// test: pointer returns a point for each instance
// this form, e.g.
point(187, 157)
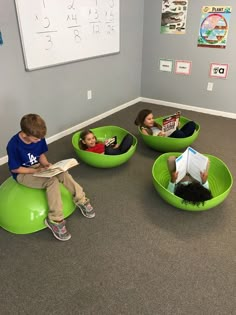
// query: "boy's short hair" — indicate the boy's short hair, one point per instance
point(33, 125)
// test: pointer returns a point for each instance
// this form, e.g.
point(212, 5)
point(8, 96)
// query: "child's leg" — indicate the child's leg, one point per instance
point(52, 190)
point(78, 194)
point(124, 146)
point(186, 131)
point(126, 143)
point(188, 128)
point(74, 188)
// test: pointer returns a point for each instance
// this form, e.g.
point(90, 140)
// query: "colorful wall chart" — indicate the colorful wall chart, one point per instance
point(214, 26)
point(174, 16)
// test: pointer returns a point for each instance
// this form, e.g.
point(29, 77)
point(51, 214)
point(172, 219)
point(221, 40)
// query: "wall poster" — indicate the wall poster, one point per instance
point(214, 26)
point(174, 16)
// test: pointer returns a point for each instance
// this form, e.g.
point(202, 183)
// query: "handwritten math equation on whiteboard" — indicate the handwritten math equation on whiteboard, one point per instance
point(54, 32)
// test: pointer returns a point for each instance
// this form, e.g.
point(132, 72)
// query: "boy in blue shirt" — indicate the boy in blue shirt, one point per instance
point(26, 156)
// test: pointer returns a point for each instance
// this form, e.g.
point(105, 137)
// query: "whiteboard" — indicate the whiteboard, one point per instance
point(60, 31)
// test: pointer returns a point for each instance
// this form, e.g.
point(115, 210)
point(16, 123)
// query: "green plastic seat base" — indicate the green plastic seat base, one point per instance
point(23, 209)
point(167, 144)
point(219, 177)
point(103, 160)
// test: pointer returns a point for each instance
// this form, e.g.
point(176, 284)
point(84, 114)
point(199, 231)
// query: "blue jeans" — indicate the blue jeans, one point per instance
point(186, 131)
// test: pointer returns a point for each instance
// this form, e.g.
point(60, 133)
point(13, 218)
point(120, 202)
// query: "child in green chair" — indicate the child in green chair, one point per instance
point(189, 189)
point(89, 142)
point(148, 126)
point(26, 156)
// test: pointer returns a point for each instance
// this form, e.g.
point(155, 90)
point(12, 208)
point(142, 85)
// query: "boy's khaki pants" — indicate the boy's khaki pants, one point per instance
point(53, 191)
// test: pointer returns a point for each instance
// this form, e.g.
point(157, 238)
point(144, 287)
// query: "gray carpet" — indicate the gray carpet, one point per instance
point(139, 255)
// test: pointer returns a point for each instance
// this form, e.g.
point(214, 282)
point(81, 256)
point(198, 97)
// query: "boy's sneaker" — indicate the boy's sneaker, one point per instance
point(86, 209)
point(58, 229)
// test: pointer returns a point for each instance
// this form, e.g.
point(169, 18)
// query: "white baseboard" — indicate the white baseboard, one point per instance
point(71, 130)
point(91, 121)
point(188, 107)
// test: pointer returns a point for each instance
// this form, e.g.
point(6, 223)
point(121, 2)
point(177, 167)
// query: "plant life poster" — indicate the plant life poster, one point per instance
point(214, 26)
point(174, 16)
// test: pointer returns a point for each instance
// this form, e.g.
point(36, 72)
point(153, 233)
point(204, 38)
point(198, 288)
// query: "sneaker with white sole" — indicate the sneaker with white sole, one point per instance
point(87, 209)
point(58, 229)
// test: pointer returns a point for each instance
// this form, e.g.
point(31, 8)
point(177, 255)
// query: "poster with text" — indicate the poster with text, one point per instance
point(174, 16)
point(214, 26)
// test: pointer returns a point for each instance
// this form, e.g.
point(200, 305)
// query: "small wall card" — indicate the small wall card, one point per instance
point(166, 65)
point(219, 70)
point(183, 67)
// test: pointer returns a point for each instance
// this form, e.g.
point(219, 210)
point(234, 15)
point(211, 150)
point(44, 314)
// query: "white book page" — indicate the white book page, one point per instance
point(181, 163)
point(197, 163)
point(64, 164)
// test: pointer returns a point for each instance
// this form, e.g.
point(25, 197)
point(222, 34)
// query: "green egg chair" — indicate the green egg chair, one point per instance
point(103, 160)
point(23, 209)
point(219, 177)
point(168, 144)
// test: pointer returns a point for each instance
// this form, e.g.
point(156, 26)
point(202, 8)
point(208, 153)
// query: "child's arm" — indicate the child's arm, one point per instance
point(44, 164)
point(171, 186)
point(144, 131)
point(26, 170)
point(204, 178)
point(44, 161)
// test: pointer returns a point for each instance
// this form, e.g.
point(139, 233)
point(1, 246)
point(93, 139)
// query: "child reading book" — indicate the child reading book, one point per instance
point(148, 126)
point(89, 142)
point(26, 158)
point(189, 177)
point(170, 124)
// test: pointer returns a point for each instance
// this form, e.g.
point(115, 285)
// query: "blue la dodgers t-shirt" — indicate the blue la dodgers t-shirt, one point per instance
point(23, 154)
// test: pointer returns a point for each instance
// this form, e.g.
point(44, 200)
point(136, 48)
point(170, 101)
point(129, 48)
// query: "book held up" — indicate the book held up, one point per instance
point(57, 168)
point(170, 123)
point(191, 162)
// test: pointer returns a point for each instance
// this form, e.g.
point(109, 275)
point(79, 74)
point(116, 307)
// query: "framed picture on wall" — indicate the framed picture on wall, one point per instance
point(166, 65)
point(219, 70)
point(183, 67)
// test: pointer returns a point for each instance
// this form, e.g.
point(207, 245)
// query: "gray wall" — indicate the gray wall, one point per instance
point(59, 93)
point(188, 90)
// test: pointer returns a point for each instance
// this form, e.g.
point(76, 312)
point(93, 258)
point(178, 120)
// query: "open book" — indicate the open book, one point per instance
point(170, 123)
point(57, 168)
point(191, 162)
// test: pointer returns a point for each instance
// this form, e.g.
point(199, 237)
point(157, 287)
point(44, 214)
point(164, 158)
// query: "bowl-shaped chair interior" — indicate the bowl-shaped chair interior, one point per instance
point(103, 160)
point(23, 209)
point(219, 177)
point(167, 144)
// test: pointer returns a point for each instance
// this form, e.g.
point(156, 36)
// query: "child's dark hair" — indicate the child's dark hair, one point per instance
point(139, 121)
point(193, 193)
point(33, 125)
point(83, 135)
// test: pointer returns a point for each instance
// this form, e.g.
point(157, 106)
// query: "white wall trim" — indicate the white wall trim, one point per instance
point(188, 107)
point(71, 130)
